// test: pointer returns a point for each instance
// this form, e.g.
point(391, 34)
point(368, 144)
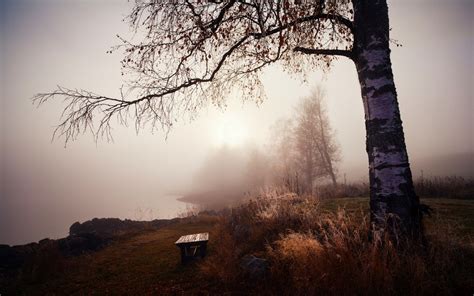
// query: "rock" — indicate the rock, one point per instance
point(75, 245)
point(104, 227)
point(254, 266)
point(10, 257)
point(110, 227)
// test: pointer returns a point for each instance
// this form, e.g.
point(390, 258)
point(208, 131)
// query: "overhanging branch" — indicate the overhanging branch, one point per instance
point(335, 52)
point(190, 44)
point(322, 16)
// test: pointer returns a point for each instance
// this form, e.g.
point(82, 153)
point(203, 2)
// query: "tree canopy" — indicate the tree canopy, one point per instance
point(187, 54)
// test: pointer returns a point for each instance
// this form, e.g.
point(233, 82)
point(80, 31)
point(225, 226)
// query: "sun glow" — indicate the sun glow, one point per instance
point(230, 133)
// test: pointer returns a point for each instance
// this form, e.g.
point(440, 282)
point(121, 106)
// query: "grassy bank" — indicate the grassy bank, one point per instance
point(457, 212)
point(148, 263)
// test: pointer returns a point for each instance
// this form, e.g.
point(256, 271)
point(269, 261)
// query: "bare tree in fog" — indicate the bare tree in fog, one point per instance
point(283, 155)
point(256, 170)
point(194, 52)
point(315, 141)
point(304, 147)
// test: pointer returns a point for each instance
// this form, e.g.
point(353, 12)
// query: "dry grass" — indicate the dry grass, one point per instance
point(353, 189)
point(447, 187)
point(451, 186)
point(311, 247)
point(313, 252)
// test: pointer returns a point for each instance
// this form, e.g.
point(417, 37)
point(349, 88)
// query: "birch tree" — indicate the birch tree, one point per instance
point(192, 52)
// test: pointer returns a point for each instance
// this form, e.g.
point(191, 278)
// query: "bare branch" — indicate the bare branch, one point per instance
point(332, 52)
point(194, 52)
point(305, 19)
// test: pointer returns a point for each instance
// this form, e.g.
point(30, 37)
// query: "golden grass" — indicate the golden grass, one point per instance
point(313, 248)
point(315, 252)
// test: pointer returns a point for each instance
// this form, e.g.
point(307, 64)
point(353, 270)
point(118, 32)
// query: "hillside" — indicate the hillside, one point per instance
point(148, 262)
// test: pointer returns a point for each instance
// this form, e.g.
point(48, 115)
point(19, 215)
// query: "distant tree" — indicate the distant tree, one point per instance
point(315, 142)
point(192, 52)
point(256, 170)
point(303, 148)
point(283, 157)
point(306, 154)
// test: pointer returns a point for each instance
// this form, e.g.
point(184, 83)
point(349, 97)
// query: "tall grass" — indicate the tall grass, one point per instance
point(446, 187)
point(450, 187)
point(311, 252)
point(354, 189)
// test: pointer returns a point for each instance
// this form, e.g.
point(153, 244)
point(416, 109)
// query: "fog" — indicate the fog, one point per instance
point(45, 186)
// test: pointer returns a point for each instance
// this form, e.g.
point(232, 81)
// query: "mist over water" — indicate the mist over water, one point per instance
point(45, 187)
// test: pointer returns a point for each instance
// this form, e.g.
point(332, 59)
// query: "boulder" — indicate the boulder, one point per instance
point(255, 267)
point(74, 245)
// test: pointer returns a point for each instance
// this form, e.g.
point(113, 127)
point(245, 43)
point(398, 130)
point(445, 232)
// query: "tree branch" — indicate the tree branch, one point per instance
point(191, 44)
point(337, 52)
point(193, 81)
point(321, 16)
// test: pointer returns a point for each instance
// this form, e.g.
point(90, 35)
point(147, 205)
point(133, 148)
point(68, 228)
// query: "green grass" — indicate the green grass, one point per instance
point(144, 264)
point(148, 263)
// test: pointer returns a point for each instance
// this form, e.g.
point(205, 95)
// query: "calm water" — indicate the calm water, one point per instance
point(170, 207)
point(57, 226)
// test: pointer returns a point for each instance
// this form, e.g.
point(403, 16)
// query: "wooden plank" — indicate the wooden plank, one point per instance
point(193, 238)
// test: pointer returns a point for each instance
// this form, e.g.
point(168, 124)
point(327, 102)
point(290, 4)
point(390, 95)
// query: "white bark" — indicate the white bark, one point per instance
point(392, 192)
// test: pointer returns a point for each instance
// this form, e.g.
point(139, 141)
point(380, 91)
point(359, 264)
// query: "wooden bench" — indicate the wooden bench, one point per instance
point(192, 245)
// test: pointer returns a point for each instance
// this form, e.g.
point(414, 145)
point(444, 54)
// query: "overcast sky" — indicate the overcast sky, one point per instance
point(45, 187)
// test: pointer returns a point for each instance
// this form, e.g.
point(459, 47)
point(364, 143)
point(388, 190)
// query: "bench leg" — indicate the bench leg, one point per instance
point(189, 252)
point(183, 255)
point(202, 250)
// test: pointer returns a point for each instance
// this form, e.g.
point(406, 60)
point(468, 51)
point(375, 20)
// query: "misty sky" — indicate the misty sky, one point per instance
point(45, 187)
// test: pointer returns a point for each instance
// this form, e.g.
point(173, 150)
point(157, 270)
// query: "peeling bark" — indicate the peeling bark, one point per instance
point(392, 197)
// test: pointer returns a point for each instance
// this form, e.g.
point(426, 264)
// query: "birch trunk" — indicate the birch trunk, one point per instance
point(392, 196)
